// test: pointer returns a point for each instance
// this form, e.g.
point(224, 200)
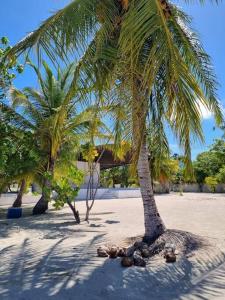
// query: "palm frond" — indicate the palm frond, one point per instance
point(69, 28)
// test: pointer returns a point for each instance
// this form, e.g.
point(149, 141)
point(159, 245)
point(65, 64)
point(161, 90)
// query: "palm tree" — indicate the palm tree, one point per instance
point(57, 126)
point(145, 50)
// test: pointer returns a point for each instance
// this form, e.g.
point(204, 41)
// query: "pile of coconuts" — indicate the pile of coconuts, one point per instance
point(139, 253)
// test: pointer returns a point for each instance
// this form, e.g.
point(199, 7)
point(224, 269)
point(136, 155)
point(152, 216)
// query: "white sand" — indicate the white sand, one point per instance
point(49, 257)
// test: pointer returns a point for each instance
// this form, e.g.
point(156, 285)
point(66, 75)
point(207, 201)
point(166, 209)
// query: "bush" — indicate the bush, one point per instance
point(221, 175)
point(212, 183)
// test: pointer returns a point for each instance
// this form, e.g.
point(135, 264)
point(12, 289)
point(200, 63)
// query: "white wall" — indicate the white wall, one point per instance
point(110, 193)
point(83, 166)
point(195, 188)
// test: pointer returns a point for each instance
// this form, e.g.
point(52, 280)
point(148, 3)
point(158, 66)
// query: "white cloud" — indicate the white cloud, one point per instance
point(205, 113)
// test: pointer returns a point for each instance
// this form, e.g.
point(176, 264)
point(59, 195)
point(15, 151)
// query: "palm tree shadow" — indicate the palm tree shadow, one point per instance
point(66, 269)
point(51, 226)
point(30, 274)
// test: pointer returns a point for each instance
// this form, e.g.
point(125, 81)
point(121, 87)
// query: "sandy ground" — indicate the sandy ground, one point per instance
point(8, 199)
point(49, 257)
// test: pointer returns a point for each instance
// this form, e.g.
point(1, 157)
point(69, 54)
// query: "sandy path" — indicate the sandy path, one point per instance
point(49, 257)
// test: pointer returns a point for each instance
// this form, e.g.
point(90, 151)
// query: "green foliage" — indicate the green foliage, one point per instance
point(209, 163)
point(19, 155)
point(179, 176)
point(212, 183)
point(149, 58)
point(89, 152)
point(117, 175)
point(169, 168)
point(54, 120)
point(44, 127)
point(8, 68)
point(67, 187)
point(57, 125)
point(163, 167)
point(221, 175)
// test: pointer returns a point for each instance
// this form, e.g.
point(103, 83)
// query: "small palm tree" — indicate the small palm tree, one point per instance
point(146, 51)
point(55, 122)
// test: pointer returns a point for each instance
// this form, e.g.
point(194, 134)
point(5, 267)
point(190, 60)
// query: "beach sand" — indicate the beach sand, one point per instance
point(50, 257)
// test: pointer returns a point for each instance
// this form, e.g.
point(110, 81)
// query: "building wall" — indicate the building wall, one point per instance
point(111, 193)
point(83, 166)
point(196, 188)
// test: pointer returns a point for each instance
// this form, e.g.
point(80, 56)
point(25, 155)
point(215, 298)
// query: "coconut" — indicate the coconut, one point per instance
point(127, 261)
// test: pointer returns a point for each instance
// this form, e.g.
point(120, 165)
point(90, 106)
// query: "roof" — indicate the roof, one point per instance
point(107, 160)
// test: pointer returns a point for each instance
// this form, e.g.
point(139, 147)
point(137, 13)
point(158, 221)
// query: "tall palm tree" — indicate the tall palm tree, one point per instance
point(145, 50)
point(57, 125)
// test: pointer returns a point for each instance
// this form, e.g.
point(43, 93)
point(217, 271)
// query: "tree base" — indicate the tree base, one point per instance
point(41, 207)
point(75, 212)
point(171, 245)
point(149, 240)
point(17, 203)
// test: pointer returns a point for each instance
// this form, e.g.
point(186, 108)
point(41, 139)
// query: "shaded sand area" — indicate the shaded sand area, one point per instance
point(49, 257)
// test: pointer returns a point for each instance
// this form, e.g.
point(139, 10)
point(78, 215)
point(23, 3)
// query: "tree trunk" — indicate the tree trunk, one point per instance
point(154, 225)
point(18, 201)
point(87, 214)
point(42, 204)
point(75, 212)
point(90, 191)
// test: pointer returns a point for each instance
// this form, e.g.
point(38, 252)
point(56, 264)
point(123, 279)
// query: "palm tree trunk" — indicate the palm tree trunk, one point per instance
point(154, 225)
point(18, 201)
point(42, 205)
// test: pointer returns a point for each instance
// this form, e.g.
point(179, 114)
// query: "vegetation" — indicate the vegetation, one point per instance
point(19, 156)
point(66, 188)
point(221, 175)
point(8, 69)
point(118, 175)
point(211, 163)
point(163, 167)
point(170, 169)
point(97, 131)
point(212, 183)
point(51, 123)
point(146, 55)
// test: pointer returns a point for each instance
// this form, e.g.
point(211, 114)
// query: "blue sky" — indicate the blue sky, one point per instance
point(19, 17)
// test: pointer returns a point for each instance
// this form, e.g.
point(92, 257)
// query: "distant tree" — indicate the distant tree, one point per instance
point(211, 182)
point(117, 175)
point(210, 162)
point(221, 175)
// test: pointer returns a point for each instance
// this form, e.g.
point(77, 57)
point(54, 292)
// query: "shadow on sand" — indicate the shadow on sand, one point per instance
point(52, 225)
point(65, 268)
